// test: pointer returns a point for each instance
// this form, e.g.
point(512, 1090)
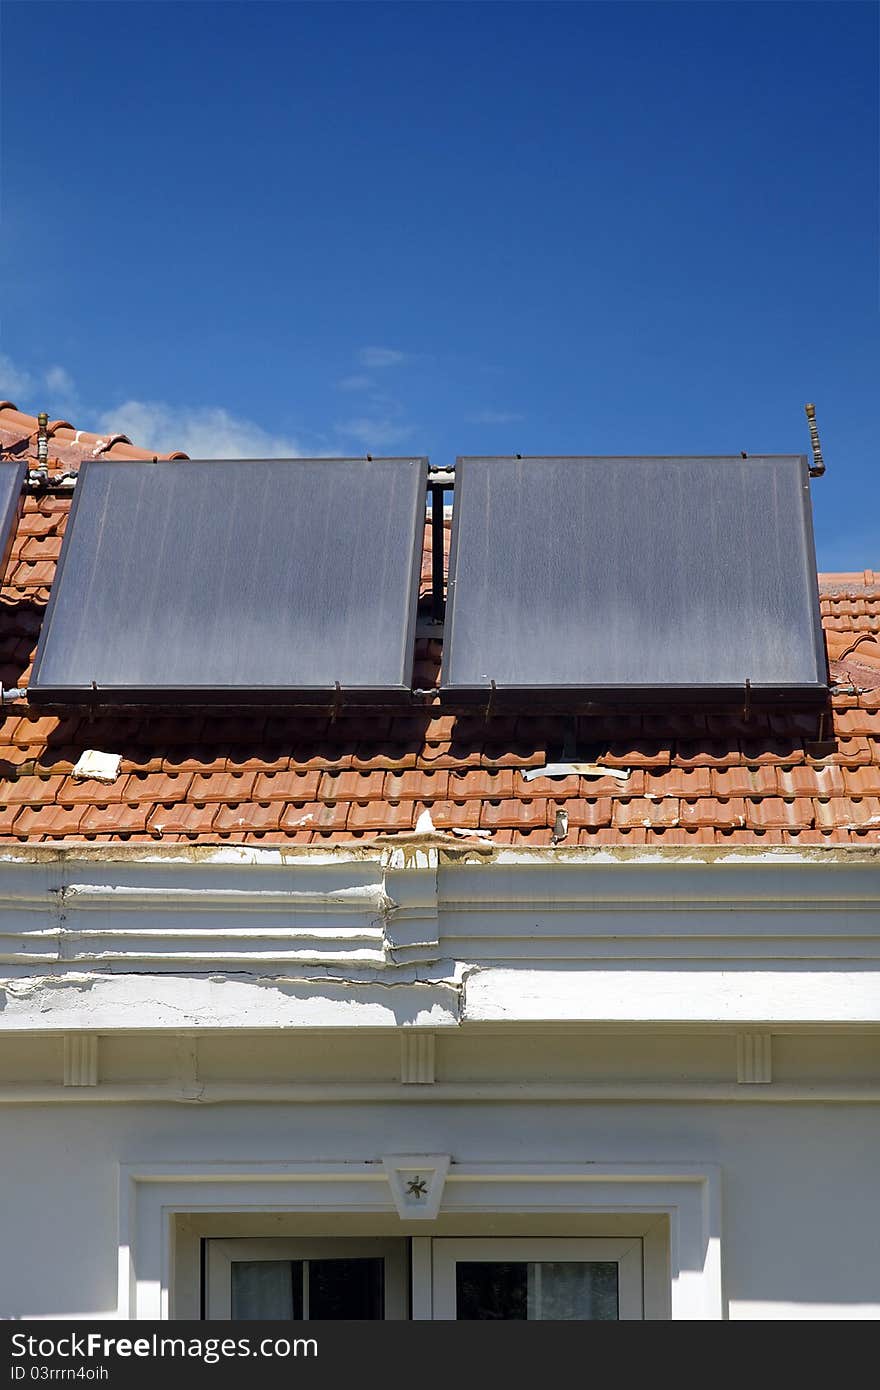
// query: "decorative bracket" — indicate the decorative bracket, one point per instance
point(416, 1058)
point(754, 1058)
point(417, 1182)
point(80, 1059)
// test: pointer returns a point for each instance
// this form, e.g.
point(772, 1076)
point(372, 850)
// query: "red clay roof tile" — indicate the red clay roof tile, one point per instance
point(712, 812)
point(452, 815)
point(381, 815)
point(856, 812)
point(222, 786)
point(586, 812)
point(181, 818)
point(41, 822)
point(315, 815)
point(113, 819)
point(286, 786)
point(248, 815)
point(642, 811)
point(774, 812)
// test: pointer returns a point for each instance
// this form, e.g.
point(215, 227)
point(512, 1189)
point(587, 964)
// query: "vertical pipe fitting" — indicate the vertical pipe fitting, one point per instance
point(437, 600)
point(43, 439)
point(818, 467)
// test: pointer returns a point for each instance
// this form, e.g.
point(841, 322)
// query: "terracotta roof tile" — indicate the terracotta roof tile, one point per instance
point(8, 817)
point(451, 815)
point(369, 757)
point(678, 781)
point(247, 815)
point(613, 835)
point(181, 818)
point(381, 815)
point(113, 819)
point(679, 835)
point(33, 728)
point(157, 786)
point(712, 812)
point(648, 754)
point(774, 812)
point(221, 786)
point(33, 791)
point(286, 786)
point(746, 780)
point(847, 752)
point(858, 722)
point(704, 753)
point(419, 783)
point(315, 815)
point(90, 793)
point(856, 812)
point(586, 813)
point(520, 814)
point(770, 750)
point(645, 811)
point(40, 822)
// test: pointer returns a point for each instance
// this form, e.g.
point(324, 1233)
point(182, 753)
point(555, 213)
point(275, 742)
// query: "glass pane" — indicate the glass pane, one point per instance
point(573, 1291)
point(346, 1289)
point(570, 1290)
point(266, 1289)
point(491, 1289)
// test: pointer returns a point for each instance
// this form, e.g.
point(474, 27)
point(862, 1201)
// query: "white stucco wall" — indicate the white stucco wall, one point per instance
point(678, 1012)
point(800, 1224)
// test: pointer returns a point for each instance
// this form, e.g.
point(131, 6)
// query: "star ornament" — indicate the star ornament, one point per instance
point(417, 1187)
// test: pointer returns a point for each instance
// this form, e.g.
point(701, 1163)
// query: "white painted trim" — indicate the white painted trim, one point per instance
point(373, 851)
point(441, 1093)
point(422, 1279)
point(408, 933)
point(151, 1194)
point(673, 995)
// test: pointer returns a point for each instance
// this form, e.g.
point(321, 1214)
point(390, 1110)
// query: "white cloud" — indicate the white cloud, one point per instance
point(375, 433)
point(206, 431)
point(354, 383)
point(381, 357)
point(494, 417)
point(201, 432)
point(15, 382)
point(51, 390)
point(60, 383)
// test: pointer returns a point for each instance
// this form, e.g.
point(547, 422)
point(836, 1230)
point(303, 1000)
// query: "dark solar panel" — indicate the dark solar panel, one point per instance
point(12, 477)
point(235, 580)
point(628, 576)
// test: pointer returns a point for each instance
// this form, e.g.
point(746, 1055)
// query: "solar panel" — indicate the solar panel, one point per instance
point(12, 476)
point(628, 577)
point(235, 581)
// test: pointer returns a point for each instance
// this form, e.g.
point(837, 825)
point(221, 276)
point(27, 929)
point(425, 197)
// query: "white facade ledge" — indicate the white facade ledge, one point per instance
point(417, 933)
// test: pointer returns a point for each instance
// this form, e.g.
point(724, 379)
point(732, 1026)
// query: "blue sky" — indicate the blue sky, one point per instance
point(451, 228)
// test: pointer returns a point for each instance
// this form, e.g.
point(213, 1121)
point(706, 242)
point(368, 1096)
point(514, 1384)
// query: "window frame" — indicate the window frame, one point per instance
point(627, 1254)
point(165, 1207)
point(221, 1254)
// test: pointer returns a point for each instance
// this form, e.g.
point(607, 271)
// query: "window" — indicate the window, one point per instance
point(538, 1280)
point(312, 1280)
point(473, 1279)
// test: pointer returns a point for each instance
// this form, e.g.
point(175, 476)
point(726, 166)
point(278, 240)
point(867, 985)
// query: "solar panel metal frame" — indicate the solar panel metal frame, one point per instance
point(494, 687)
point(11, 503)
point(56, 692)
